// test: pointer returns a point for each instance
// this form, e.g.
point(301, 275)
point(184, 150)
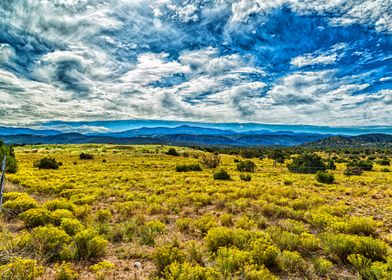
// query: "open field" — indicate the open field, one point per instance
point(128, 204)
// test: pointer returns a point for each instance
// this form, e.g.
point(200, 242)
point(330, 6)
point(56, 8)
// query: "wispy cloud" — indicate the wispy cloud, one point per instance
point(281, 61)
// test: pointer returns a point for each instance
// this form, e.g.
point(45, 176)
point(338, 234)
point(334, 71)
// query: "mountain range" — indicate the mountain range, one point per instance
point(192, 135)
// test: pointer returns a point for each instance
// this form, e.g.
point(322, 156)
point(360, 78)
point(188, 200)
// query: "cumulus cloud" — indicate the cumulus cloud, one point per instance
point(286, 61)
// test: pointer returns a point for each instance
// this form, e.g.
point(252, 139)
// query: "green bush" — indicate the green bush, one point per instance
point(363, 165)
point(307, 163)
point(89, 245)
point(245, 177)
point(384, 162)
point(47, 163)
point(172, 152)
point(350, 171)
point(65, 272)
point(246, 166)
point(385, 170)
point(331, 165)
point(85, 156)
point(323, 177)
point(189, 167)
point(35, 217)
point(210, 160)
point(11, 163)
point(221, 175)
point(48, 242)
point(19, 268)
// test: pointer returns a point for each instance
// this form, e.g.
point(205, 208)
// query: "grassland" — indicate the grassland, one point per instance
point(99, 217)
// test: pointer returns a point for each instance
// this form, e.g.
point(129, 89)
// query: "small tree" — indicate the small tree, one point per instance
point(307, 163)
point(11, 163)
point(246, 166)
point(331, 165)
point(210, 160)
point(47, 163)
point(86, 156)
point(172, 152)
point(277, 156)
point(221, 175)
point(323, 177)
point(363, 165)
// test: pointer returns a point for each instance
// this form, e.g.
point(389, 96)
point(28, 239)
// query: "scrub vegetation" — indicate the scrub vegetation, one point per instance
point(158, 212)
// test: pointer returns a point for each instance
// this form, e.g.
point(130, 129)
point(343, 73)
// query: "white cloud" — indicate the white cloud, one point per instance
point(341, 12)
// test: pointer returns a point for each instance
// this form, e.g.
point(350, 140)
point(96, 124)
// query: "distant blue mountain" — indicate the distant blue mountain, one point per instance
point(18, 130)
point(183, 129)
point(124, 125)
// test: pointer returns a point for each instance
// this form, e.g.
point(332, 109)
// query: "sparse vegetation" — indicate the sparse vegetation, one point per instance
point(147, 215)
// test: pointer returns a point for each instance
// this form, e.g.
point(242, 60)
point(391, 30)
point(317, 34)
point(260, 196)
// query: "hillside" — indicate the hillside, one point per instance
point(181, 136)
point(361, 141)
point(128, 214)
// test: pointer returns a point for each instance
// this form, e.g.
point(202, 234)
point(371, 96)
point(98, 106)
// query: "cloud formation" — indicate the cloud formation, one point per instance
point(281, 61)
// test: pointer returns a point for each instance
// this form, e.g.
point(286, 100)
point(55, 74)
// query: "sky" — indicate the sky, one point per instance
point(325, 63)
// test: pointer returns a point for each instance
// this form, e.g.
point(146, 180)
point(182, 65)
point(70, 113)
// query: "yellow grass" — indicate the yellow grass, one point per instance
point(140, 187)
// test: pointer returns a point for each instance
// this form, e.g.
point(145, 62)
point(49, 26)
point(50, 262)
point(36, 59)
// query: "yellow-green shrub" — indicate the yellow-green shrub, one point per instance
point(226, 237)
point(17, 203)
point(59, 203)
point(183, 224)
point(291, 262)
point(166, 255)
point(283, 239)
point(89, 245)
point(322, 266)
point(59, 214)
point(309, 242)
point(65, 272)
point(48, 242)
point(71, 225)
point(253, 272)
point(205, 223)
point(344, 244)
point(35, 217)
point(103, 216)
point(19, 268)
point(230, 260)
point(102, 270)
point(186, 271)
point(263, 252)
point(150, 230)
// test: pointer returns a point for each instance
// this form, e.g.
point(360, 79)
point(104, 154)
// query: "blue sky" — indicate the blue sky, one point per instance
point(326, 63)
